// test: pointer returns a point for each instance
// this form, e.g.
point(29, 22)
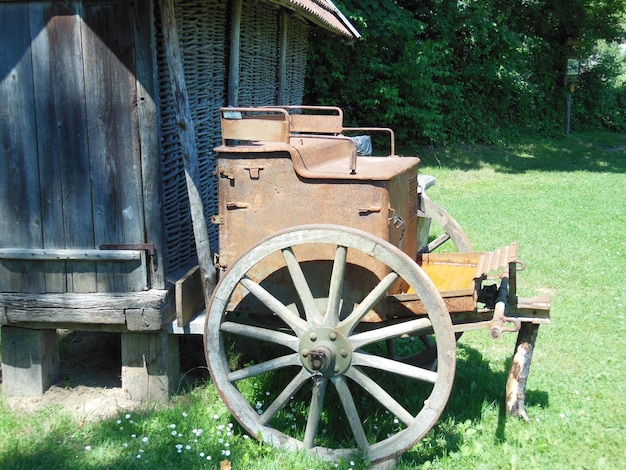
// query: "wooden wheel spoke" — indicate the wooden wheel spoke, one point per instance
point(380, 395)
point(438, 242)
point(315, 411)
point(336, 287)
point(347, 326)
point(264, 367)
point(297, 324)
point(284, 397)
point(263, 334)
point(352, 413)
point(313, 315)
point(388, 332)
point(395, 367)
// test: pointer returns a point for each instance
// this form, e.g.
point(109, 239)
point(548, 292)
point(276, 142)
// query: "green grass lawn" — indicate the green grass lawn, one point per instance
point(565, 202)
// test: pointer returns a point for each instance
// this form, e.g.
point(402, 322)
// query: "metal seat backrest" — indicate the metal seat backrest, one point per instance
point(323, 120)
point(255, 124)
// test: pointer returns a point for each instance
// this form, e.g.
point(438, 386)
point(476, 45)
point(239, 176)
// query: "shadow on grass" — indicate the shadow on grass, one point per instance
point(476, 386)
point(604, 153)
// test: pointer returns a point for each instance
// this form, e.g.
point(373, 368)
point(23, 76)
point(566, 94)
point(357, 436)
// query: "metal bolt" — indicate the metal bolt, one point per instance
point(305, 352)
point(344, 353)
point(313, 337)
point(333, 336)
point(336, 369)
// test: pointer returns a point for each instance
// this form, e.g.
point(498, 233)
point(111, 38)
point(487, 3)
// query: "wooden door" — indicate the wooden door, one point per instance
point(70, 153)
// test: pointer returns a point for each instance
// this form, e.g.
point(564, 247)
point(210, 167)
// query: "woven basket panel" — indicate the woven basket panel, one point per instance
point(297, 34)
point(258, 73)
point(202, 31)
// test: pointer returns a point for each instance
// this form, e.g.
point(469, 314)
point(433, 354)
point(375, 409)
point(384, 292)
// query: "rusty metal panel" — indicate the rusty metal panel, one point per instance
point(495, 264)
point(260, 194)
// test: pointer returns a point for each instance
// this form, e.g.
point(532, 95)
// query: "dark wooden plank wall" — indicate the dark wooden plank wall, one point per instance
point(62, 142)
point(113, 129)
point(20, 213)
point(70, 144)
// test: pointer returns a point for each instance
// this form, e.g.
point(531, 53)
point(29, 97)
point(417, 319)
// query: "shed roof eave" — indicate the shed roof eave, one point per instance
point(324, 13)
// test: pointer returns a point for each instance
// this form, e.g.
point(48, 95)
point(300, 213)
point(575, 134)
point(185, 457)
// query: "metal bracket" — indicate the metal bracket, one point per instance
point(149, 248)
point(397, 222)
point(223, 174)
point(496, 327)
point(255, 171)
point(237, 205)
point(369, 210)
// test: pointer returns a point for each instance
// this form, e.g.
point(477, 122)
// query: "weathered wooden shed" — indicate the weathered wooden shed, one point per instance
point(95, 227)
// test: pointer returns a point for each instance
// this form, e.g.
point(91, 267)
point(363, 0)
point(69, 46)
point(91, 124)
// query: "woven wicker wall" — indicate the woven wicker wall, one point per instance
point(202, 31)
point(297, 32)
point(204, 35)
point(258, 79)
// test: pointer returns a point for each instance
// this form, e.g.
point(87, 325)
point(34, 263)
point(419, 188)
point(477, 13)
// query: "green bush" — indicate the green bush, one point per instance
point(600, 100)
point(482, 72)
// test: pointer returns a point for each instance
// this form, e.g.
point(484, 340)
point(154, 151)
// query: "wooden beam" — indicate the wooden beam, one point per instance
point(189, 298)
point(186, 132)
point(282, 62)
point(49, 254)
point(515, 404)
point(137, 311)
point(235, 54)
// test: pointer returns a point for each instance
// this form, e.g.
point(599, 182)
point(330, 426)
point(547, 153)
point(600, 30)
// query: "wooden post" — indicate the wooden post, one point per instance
point(520, 369)
point(282, 62)
point(235, 54)
point(150, 367)
point(187, 136)
point(30, 361)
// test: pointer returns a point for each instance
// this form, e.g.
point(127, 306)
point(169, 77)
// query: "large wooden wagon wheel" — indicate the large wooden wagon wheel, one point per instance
point(273, 369)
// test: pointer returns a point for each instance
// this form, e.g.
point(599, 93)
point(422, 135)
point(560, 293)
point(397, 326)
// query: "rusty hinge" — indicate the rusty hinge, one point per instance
point(147, 247)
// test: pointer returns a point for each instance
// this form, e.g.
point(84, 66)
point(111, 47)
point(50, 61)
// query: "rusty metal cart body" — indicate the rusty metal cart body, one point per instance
point(333, 297)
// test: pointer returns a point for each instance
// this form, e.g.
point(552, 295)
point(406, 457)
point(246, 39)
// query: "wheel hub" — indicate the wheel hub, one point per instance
point(325, 351)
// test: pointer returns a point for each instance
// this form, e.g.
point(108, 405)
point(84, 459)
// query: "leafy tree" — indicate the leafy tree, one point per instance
point(440, 70)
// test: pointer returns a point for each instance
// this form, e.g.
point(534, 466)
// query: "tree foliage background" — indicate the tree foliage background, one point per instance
point(474, 70)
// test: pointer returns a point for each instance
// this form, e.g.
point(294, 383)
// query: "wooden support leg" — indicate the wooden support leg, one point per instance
point(30, 361)
point(520, 368)
point(150, 365)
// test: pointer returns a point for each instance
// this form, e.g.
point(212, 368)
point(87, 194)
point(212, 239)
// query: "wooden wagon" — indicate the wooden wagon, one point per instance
point(333, 298)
